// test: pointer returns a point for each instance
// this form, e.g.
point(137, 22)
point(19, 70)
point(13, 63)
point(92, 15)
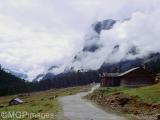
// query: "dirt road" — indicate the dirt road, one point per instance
point(76, 108)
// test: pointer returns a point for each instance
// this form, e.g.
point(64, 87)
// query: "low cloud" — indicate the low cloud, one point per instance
point(37, 34)
point(139, 32)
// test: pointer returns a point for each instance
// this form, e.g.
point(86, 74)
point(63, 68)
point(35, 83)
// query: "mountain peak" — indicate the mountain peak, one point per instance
point(103, 25)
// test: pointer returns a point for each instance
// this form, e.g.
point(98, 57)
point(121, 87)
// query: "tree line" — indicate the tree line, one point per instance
point(10, 84)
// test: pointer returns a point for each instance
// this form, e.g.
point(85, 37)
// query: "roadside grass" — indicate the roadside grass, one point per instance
point(147, 94)
point(38, 102)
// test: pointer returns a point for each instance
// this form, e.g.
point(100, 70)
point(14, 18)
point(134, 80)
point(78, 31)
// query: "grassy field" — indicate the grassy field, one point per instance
point(38, 102)
point(148, 94)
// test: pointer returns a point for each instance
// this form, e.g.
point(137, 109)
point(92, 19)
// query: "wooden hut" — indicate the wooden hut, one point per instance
point(134, 77)
point(15, 101)
point(110, 79)
point(137, 77)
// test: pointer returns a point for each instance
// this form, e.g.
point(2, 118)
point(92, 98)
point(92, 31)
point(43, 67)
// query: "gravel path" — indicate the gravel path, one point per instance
point(76, 108)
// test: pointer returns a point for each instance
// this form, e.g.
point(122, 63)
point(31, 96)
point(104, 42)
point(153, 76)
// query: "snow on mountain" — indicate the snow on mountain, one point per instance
point(16, 73)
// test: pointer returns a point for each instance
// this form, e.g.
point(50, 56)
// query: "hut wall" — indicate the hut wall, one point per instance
point(14, 102)
point(138, 77)
point(110, 81)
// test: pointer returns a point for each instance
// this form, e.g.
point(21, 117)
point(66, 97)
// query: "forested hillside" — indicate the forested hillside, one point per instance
point(10, 84)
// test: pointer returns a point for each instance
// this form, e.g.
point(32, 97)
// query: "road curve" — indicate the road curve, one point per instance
point(76, 108)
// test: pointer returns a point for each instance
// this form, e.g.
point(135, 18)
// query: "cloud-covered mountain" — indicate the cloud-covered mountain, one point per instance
point(95, 46)
point(35, 35)
point(121, 40)
point(97, 55)
point(91, 45)
point(92, 38)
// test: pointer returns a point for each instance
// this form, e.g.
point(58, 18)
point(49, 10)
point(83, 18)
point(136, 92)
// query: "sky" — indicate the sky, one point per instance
point(37, 34)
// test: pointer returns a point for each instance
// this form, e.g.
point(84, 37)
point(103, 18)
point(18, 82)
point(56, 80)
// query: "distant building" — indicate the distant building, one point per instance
point(138, 76)
point(15, 101)
point(110, 79)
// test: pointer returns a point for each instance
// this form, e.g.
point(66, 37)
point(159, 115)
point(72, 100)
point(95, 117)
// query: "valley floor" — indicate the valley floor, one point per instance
point(67, 104)
point(39, 103)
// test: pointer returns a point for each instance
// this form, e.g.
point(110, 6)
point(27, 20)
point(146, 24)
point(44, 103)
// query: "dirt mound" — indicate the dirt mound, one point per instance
point(129, 104)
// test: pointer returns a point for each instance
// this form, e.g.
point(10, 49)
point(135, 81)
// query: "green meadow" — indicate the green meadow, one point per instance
point(147, 94)
point(38, 102)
